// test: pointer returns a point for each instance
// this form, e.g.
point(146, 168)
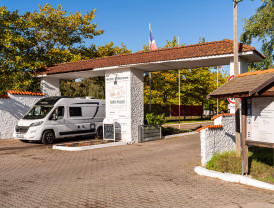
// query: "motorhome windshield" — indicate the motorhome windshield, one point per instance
point(38, 112)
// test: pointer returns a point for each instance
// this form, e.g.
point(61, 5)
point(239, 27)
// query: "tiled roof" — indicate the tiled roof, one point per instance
point(245, 85)
point(13, 92)
point(4, 97)
point(222, 114)
point(256, 73)
point(209, 127)
point(191, 51)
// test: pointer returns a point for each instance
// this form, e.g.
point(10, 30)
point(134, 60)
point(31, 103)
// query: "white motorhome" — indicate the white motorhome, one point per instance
point(59, 117)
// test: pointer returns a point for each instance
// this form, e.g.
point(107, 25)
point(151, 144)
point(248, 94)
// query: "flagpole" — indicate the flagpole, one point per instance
point(149, 83)
point(149, 91)
point(217, 88)
point(179, 86)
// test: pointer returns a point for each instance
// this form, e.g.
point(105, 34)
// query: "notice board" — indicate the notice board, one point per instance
point(108, 131)
point(260, 119)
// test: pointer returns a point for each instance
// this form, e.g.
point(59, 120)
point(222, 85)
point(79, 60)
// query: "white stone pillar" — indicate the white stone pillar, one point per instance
point(50, 86)
point(125, 101)
point(243, 68)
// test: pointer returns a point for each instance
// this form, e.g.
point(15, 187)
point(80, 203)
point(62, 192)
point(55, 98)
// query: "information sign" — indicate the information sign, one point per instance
point(260, 119)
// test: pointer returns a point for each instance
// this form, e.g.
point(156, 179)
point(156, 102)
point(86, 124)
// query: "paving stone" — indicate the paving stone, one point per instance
point(153, 174)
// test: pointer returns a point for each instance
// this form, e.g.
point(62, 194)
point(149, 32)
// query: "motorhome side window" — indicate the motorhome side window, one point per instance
point(59, 112)
point(75, 111)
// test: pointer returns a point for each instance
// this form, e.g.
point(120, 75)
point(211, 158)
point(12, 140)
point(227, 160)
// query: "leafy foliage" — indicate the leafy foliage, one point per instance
point(50, 36)
point(261, 27)
point(196, 84)
point(155, 119)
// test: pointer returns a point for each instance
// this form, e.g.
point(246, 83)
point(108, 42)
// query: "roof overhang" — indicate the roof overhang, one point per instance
point(259, 83)
point(206, 61)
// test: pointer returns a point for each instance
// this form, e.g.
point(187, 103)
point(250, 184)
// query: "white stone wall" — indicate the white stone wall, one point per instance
point(218, 140)
point(13, 109)
point(50, 86)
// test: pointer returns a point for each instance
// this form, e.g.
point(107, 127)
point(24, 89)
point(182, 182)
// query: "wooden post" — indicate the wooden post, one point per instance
point(184, 111)
point(244, 145)
point(236, 71)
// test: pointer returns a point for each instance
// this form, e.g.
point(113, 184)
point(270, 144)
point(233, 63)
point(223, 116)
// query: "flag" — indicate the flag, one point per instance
point(222, 68)
point(152, 43)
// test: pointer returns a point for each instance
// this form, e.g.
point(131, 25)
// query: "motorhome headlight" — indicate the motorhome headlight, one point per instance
point(36, 124)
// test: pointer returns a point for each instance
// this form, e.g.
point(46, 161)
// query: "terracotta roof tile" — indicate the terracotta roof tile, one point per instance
point(209, 127)
point(191, 51)
point(223, 114)
point(13, 92)
point(256, 73)
point(4, 97)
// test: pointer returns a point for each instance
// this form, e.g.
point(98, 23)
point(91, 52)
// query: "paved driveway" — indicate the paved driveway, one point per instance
point(191, 125)
point(153, 174)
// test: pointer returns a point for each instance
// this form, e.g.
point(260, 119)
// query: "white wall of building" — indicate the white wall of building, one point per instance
point(13, 109)
point(218, 140)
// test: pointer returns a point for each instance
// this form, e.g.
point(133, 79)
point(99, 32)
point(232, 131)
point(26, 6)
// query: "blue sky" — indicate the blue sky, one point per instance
point(127, 21)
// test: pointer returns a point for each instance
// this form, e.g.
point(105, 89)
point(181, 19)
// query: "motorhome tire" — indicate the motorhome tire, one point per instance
point(99, 133)
point(48, 137)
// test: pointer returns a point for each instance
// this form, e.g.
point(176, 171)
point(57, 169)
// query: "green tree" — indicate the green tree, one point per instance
point(196, 84)
point(261, 27)
point(36, 40)
point(164, 83)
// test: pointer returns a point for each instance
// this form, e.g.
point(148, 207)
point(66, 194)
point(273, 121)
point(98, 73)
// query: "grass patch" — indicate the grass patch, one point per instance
point(171, 130)
point(260, 163)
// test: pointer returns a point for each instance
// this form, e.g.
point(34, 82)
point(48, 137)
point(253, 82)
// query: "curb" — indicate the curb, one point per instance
point(179, 135)
point(233, 178)
point(114, 144)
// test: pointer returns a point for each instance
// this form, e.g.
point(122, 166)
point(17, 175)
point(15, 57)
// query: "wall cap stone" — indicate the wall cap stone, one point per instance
point(209, 127)
point(223, 114)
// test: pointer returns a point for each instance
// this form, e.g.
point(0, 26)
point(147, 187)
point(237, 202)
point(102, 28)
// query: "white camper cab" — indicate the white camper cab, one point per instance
point(60, 117)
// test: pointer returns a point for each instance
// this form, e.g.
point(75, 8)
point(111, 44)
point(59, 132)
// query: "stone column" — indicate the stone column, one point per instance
point(50, 86)
point(125, 101)
point(243, 67)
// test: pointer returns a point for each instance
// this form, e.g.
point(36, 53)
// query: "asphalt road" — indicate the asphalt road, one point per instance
point(152, 174)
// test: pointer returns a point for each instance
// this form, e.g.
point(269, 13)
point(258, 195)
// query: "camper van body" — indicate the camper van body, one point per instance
point(59, 117)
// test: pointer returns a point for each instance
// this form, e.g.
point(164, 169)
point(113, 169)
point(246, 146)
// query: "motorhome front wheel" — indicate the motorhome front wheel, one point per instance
point(48, 137)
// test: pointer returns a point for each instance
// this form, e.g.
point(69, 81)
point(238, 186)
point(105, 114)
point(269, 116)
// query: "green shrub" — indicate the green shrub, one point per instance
point(155, 119)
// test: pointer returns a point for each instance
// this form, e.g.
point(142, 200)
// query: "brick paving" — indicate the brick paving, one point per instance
point(153, 174)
